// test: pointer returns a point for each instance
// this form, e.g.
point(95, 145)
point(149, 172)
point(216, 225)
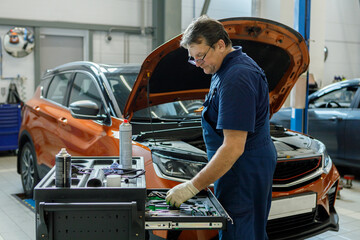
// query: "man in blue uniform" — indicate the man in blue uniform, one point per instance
point(235, 122)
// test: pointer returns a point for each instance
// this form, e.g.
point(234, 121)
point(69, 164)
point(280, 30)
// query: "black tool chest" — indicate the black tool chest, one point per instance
point(125, 212)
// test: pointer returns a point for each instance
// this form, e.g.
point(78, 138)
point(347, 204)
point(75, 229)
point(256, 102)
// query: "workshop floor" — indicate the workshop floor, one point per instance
point(17, 222)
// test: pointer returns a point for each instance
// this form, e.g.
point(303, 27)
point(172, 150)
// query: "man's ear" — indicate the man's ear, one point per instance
point(221, 45)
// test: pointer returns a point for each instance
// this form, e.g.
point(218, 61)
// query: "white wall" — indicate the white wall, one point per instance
point(317, 40)
point(123, 48)
point(229, 8)
point(270, 9)
point(218, 9)
point(115, 12)
point(342, 38)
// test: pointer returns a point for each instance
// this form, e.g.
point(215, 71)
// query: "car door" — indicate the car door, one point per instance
point(50, 115)
point(352, 133)
point(328, 115)
point(86, 137)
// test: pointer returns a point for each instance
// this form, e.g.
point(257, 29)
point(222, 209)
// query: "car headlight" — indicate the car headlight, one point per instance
point(177, 167)
point(320, 148)
point(327, 162)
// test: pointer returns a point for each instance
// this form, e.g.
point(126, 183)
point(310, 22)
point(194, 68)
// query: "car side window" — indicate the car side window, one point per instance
point(84, 88)
point(45, 84)
point(340, 98)
point(57, 88)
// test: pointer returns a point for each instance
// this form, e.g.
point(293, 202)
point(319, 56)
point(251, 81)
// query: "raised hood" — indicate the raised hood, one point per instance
point(166, 75)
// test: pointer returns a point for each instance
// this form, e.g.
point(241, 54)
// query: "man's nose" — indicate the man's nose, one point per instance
point(198, 64)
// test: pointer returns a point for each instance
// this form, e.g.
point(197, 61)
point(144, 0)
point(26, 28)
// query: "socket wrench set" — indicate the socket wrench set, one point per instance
point(105, 201)
point(200, 212)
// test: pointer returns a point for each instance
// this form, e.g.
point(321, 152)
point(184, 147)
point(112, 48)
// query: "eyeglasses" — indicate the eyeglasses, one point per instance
point(200, 60)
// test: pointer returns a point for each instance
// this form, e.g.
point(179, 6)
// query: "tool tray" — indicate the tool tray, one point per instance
point(200, 212)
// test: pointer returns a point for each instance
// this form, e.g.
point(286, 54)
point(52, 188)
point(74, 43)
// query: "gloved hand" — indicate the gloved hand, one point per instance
point(181, 193)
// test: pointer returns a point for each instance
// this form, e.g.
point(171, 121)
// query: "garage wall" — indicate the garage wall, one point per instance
point(123, 48)
point(317, 40)
point(334, 24)
point(342, 38)
point(217, 9)
point(112, 12)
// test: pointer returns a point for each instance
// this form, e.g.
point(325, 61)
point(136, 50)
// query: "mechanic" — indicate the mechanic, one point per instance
point(236, 130)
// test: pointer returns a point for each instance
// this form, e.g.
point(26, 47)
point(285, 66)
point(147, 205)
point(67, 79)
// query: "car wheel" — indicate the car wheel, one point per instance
point(29, 175)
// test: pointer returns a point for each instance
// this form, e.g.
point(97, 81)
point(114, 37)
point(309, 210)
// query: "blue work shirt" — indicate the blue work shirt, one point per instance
point(239, 99)
point(238, 96)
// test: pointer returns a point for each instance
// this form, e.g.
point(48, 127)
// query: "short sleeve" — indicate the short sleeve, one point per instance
point(237, 101)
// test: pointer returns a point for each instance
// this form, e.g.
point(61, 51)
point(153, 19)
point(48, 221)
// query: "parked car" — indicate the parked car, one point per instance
point(80, 106)
point(334, 119)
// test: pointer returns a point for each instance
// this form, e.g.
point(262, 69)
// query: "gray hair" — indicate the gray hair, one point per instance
point(204, 28)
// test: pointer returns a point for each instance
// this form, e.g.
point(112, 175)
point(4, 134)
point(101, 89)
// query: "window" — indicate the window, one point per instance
point(338, 98)
point(84, 88)
point(45, 84)
point(57, 88)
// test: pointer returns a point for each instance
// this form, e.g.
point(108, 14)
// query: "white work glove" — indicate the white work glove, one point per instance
point(181, 193)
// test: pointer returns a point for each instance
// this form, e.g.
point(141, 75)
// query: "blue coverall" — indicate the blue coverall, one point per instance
point(238, 99)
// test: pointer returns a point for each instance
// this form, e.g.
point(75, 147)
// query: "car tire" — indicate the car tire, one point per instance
point(28, 169)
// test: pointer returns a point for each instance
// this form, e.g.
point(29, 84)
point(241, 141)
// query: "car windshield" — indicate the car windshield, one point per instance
point(121, 83)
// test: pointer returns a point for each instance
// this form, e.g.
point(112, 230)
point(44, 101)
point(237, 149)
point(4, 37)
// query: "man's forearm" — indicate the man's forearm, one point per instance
point(222, 161)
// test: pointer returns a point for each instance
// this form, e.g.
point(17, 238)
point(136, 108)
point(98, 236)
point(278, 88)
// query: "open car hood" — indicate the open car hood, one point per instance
point(166, 76)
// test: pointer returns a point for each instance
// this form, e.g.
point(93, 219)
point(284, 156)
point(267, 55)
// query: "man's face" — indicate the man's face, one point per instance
point(205, 57)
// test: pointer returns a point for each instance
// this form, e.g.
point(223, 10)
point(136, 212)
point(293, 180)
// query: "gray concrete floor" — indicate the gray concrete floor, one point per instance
point(17, 222)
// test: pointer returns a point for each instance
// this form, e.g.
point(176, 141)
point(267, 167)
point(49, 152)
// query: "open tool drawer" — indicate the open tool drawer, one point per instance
point(200, 212)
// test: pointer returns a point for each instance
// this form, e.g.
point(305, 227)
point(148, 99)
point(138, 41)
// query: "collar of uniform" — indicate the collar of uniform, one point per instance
point(231, 55)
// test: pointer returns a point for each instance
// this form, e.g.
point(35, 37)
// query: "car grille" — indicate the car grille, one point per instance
point(277, 226)
point(301, 226)
point(332, 194)
point(289, 188)
point(331, 199)
point(291, 170)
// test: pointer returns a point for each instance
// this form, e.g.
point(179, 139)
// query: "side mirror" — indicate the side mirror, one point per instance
point(86, 109)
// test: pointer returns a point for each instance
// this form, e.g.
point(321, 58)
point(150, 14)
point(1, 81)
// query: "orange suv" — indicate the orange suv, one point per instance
point(79, 106)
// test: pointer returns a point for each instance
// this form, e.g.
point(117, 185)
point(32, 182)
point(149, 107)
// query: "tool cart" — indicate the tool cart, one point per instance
point(10, 121)
point(124, 212)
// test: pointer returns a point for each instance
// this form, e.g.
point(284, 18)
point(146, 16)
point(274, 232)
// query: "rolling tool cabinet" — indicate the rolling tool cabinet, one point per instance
point(125, 212)
point(10, 121)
